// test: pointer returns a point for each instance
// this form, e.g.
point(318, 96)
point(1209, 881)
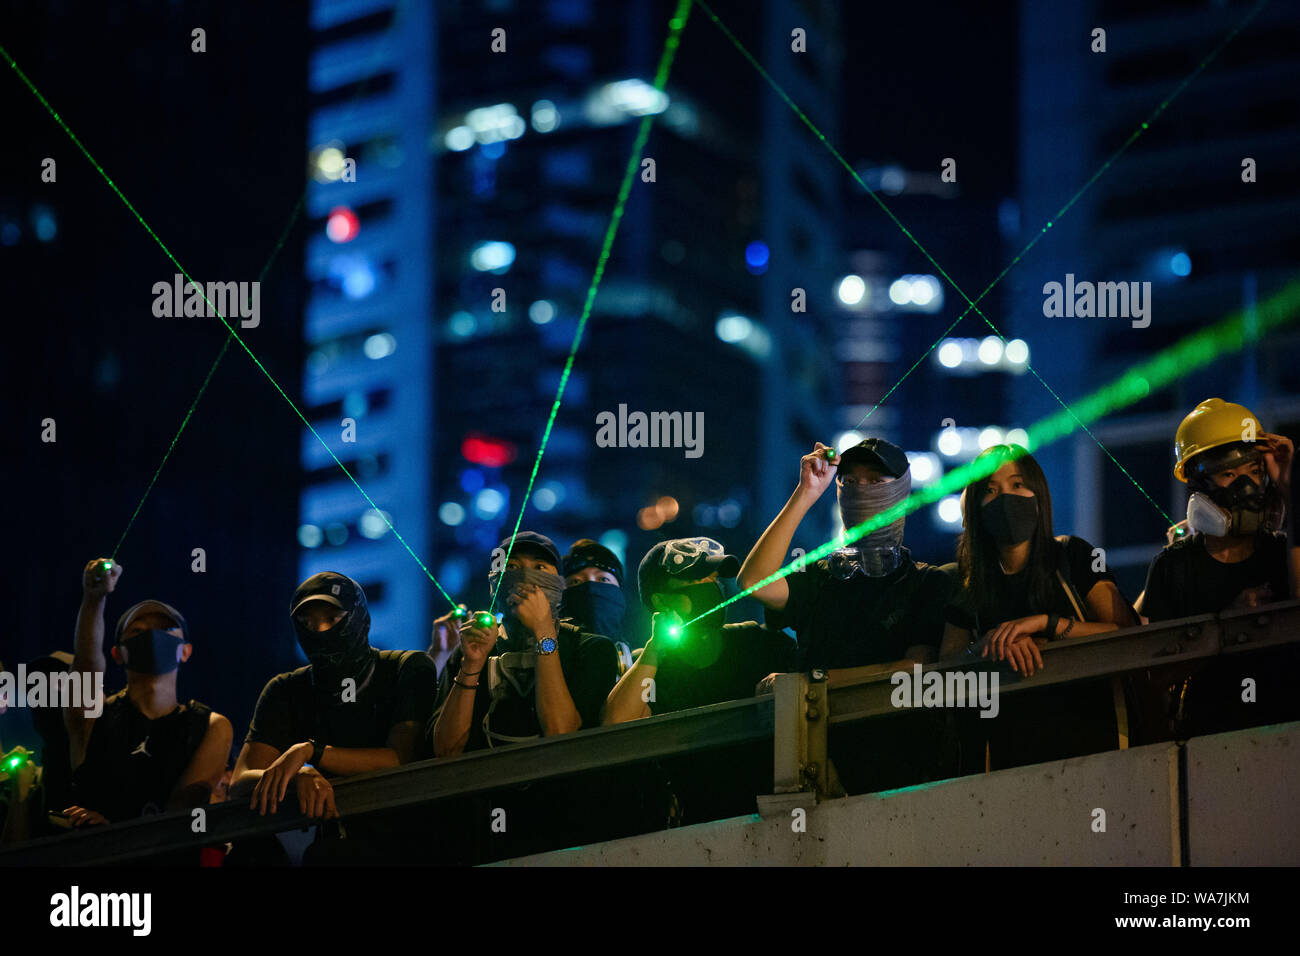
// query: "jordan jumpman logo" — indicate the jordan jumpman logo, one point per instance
point(141, 748)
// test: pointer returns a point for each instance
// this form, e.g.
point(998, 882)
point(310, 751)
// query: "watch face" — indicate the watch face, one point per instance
point(547, 645)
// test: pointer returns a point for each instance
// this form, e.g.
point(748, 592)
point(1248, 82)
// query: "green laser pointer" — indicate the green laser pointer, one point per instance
point(675, 27)
point(1179, 360)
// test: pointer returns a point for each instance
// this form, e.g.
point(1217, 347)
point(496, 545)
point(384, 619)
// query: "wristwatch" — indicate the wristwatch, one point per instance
point(547, 645)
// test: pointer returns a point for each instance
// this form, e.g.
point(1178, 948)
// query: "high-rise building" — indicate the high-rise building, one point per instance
point(1175, 210)
point(448, 362)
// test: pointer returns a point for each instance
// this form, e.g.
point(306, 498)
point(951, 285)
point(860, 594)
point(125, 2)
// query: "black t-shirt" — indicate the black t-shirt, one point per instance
point(864, 620)
point(400, 688)
point(1185, 579)
point(723, 666)
point(1010, 598)
point(132, 763)
point(590, 666)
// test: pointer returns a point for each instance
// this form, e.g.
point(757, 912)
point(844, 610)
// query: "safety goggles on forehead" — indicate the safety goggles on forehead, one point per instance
point(688, 552)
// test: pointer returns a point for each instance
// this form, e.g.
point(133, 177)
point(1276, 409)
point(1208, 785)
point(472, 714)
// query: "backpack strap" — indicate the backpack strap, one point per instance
point(197, 718)
point(1064, 577)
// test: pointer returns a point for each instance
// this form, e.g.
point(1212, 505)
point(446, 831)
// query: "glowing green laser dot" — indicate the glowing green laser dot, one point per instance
point(676, 25)
point(1173, 363)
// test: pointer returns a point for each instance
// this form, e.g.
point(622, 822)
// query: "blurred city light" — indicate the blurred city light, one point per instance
point(545, 116)
point(342, 225)
point(541, 312)
point(379, 345)
point(852, 290)
point(492, 256)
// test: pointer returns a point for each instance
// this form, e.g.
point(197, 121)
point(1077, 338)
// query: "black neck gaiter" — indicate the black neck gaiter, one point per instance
point(596, 607)
point(338, 653)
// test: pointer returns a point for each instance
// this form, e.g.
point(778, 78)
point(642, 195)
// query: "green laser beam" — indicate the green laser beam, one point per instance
point(284, 234)
point(275, 252)
point(231, 329)
point(675, 27)
point(973, 303)
point(1184, 357)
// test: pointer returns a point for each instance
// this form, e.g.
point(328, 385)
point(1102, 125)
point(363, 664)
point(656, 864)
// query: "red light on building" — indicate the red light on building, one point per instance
point(487, 451)
point(342, 225)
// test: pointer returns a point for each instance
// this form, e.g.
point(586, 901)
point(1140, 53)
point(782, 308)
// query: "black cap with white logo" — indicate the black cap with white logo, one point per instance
point(330, 587)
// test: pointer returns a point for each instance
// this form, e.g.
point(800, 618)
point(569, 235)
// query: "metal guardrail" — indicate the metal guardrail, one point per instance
point(800, 763)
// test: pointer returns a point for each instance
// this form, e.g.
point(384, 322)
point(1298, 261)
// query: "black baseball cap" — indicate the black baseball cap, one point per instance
point(877, 453)
point(539, 544)
point(683, 559)
point(150, 607)
point(586, 553)
point(330, 587)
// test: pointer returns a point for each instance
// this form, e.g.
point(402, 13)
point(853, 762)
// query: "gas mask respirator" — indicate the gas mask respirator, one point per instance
point(1240, 509)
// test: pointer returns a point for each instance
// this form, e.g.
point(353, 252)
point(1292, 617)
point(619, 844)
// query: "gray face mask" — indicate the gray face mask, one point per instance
point(552, 585)
point(859, 502)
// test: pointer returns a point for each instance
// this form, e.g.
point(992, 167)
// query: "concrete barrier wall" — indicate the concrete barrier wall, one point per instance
point(1040, 815)
point(1243, 805)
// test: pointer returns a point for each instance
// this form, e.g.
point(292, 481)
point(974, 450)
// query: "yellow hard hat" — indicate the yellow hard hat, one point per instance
point(1211, 424)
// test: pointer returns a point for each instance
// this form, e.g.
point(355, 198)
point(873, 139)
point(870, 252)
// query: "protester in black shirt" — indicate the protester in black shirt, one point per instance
point(593, 590)
point(145, 753)
point(352, 710)
point(1236, 554)
point(868, 608)
point(1023, 584)
point(546, 677)
point(687, 664)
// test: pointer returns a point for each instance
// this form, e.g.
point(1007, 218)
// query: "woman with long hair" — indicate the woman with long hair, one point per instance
point(1024, 585)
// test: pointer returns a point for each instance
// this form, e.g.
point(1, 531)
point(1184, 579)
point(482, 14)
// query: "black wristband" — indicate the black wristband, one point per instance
point(317, 751)
point(1069, 626)
point(456, 681)
point(1052, 621)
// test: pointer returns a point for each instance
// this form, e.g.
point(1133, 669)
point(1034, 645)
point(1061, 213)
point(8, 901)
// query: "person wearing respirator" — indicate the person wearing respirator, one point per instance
point(1233, 553)
point(1230, 553)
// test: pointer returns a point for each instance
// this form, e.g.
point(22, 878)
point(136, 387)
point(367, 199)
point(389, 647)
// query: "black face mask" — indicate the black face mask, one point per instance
point(596, 607)
point(1010, 519)
point(704, 598)
point(152, 652)
point(339, 652)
